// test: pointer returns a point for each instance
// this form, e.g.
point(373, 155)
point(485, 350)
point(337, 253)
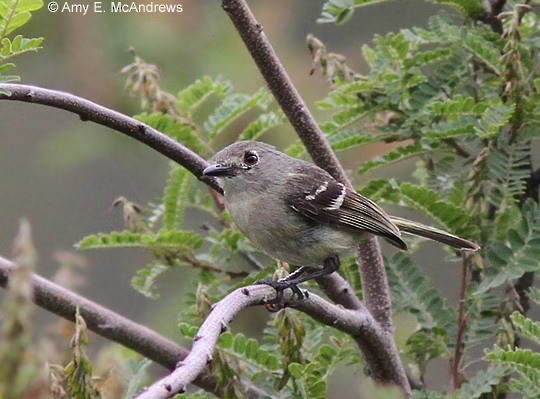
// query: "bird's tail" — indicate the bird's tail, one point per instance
point(419, 229)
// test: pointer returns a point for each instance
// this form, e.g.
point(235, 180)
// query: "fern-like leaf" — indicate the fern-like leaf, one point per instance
point(181, 132)
point(482, 382)
point(530, 329)
point(412, 292)
point(115, 239)
point(144, 280)
point(175, 196)
point(525, 361)
point(508, 170)
point(399, 154)
point(340, 11)
point(262, 124)
point(16, 13)
point(469, 8)
point(190, 98)
point(233, 106)
point(519, 253)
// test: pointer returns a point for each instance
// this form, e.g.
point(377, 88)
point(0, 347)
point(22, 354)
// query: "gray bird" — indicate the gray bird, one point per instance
point(298, 213)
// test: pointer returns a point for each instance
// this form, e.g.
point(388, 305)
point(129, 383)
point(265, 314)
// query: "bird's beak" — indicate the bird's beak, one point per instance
point(219, 170)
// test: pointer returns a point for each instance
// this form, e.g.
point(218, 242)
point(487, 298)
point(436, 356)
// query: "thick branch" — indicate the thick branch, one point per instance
point(375, 343)
point(375, 288)
point(90, 111)
point(113, 326)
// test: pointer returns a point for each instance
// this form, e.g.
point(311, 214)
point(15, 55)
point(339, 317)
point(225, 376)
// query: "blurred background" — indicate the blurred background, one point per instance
point(63, 174)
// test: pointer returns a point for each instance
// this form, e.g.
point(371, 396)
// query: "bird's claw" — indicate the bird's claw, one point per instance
point(280, 286)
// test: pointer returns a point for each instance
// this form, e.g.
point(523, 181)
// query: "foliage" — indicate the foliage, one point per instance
point(525, 362)
point(459, 99)
point(13, 15)
point(455, 99)
point(457, 102)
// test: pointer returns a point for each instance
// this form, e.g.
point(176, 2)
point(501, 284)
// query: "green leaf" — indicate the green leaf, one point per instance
point(252, 347)
point(190, 98)
point(381, 189)
point(530, 329)
point(508, 171)
point(181, 132)
point(175, 196)
point(240, 342)
point(522, 360)
point(469, 8)
point(226, 340)
point(457, 105)
point(519, 253)
point(412, 292)
point(452, 218)
point(145, 278)
point(262, 124)
point(399, 154)
point(7, 79)
point(29, 5)
point(177, 240)
point(493, 120)
point(534, 295)
point(18, 20)
point(232, 107)
point(6, 67)
point(482, 314)
point(345, 140)
point(115, 239)
point(482, 382)
point(296, 370)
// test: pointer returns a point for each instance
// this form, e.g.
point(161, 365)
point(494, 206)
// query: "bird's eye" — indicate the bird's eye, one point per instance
point(251, 158)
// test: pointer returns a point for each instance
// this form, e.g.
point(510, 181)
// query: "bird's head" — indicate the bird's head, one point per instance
point(244, 161)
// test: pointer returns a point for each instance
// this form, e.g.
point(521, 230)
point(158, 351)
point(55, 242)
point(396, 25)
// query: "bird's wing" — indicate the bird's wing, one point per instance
point(321, 198)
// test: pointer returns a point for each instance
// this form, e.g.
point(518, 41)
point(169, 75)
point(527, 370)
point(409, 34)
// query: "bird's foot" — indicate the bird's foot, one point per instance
point(280, 286)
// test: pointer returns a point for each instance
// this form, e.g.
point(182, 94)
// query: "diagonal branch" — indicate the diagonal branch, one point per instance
point(371, 338)
point(90, 111)
point(114, 327)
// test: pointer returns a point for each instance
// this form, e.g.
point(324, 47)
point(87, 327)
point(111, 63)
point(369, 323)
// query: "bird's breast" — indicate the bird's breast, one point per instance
point(285, 234)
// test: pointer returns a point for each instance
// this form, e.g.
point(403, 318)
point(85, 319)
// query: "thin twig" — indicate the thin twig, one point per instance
point(459, 150)
point(114, 327)
point(462, 323)
point(206, 266)
point(372, 340)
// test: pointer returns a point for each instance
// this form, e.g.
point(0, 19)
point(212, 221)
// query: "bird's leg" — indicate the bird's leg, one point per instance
point(305, 273)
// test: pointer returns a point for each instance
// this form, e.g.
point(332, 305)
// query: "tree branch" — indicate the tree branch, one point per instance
point(375, 288)
point(371, 338)
point(90, 111)
point(455, 372)
point(114, 327)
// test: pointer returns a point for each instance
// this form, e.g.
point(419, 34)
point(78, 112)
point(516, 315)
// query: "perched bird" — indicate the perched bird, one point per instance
point(298, 213)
